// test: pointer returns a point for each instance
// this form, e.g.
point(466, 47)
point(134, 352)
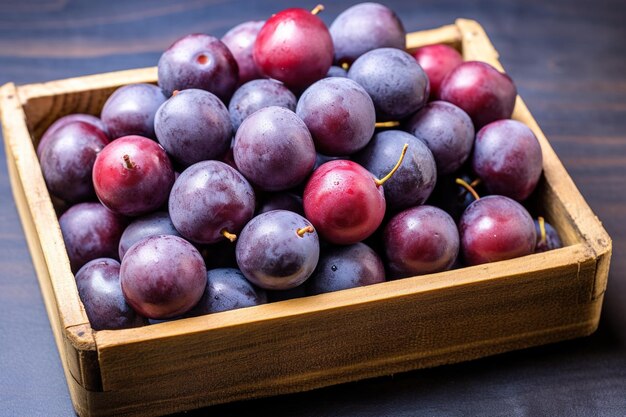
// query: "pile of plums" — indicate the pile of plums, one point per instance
point(290, 159)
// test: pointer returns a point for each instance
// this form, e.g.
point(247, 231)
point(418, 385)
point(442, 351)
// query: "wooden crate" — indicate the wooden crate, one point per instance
point(311, 342)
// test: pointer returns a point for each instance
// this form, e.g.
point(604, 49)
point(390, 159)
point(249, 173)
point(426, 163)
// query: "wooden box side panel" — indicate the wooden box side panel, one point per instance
point(67, 318)
point(40, 222)
point(442, 311)
point(31, 109)
point(259, 351)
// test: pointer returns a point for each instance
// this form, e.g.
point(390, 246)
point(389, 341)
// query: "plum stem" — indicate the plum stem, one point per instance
point(345, 66)
point(475, 183)
point(175, 92)
point(468, 187)
point(306, 229)
point(542, 228)
point(387, 124)
point(128, 163)
point(384, 179)
point(317, 9)
point(230, 236)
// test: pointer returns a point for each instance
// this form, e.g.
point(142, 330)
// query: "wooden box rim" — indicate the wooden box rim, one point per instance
point(85, 352)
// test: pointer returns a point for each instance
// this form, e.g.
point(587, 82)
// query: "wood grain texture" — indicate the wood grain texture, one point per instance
point(568, 62)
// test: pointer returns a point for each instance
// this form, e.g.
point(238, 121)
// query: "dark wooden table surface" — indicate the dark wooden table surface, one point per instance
point(568, 59)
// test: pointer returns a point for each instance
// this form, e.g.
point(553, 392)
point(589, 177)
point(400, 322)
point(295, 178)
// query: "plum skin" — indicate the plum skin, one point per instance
point(227, 289)
point(98, 283)
point(343, 202)
point(258, 94)
point(507, 157)
point(496, 228)
point(482, 91)
point(67, 160)
point(153, 224)
point(193, 126)
point(70, 118)
point(208, 198)
point(421, 240)
point(437, 61)
point(90, 231)
point(339, 114)
point(133, 176)
point(343, 267)
point(274, 149)
point(364, 27)
point(240, 41)
point(130, 110)
point(396, 83)
point(294, 46)
point(273, 255)
point(447, 130)
point(162, 276)
point(552, 239)
point(198, 61)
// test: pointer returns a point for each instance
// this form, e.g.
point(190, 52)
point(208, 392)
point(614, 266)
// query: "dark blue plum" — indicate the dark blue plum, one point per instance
point(130, 110)
point(364, 27)
point(163, 276)
point(258, 94)
point(199, 61)
point(397, 84)
point(447, 130)
point(67, 160)
point(70, 118)
point(98, 283)
point(343, 267)
point(274, 149)
point(278, 250)
point(153, 224)
point(210, 201)
point(414, 181)
point(227, 289)
point(507, 157)
point(547, 236)
point(193, 126)
point(240, 41)
point(420, 240)
point(90, 231)
point(339, 114)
